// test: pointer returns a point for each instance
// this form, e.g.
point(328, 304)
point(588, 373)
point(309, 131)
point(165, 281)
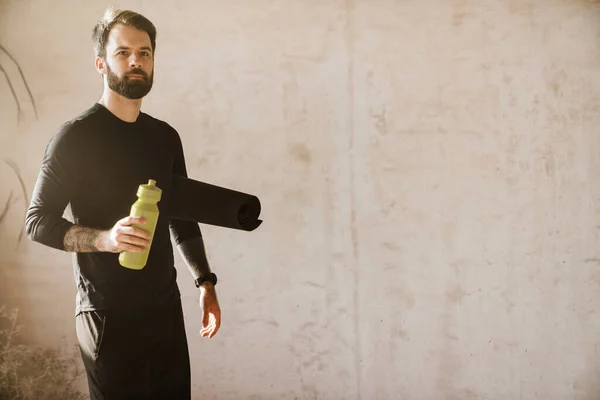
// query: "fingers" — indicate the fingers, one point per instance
point(208, 332)
point(208, 323)
point(134, 236)
point(127, 221)
point(217, 326)
point(211, 314)
point(127, 240)
point(211, 327)
point(132, 243)
point(135, 232)
point(126, 237)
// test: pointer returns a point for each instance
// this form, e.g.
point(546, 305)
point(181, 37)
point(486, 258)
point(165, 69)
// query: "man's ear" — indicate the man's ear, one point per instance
point(101, 66)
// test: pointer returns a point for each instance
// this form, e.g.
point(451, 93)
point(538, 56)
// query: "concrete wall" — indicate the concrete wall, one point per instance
point(429, 178)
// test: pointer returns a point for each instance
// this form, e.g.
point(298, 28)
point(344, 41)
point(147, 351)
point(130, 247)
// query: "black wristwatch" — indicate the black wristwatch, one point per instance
point(210, 277)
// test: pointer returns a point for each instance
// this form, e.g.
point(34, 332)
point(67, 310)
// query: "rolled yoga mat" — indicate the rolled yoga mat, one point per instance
point(204, 203)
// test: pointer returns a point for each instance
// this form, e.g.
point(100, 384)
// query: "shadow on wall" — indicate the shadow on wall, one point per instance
point(17, 83)
point(27, 371)
point(20, 196)
point(14, 197)
point(21, 94)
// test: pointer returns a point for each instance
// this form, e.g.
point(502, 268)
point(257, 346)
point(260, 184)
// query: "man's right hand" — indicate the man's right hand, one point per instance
point(125, 237)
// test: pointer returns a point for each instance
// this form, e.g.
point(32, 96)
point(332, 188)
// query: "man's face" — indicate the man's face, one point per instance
point(129, 62)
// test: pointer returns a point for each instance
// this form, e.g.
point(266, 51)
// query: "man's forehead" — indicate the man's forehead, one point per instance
point(128, 36)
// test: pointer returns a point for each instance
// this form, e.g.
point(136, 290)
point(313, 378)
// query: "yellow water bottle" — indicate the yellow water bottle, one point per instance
point(146, 207)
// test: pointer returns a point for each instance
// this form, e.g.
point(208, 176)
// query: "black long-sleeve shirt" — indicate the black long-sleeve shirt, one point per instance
point(94, 164)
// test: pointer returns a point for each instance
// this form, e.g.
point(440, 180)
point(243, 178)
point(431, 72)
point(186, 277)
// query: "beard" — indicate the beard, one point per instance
point(130, 88)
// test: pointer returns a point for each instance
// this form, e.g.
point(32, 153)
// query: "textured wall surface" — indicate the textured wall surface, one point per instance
point(429, 178)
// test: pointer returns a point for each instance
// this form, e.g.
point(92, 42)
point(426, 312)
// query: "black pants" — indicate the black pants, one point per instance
point(135, 356)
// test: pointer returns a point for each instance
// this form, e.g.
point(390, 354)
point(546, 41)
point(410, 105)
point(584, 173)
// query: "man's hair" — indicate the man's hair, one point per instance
point(125, 17)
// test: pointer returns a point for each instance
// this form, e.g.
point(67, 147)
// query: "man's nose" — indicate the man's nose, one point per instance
point(135, 61)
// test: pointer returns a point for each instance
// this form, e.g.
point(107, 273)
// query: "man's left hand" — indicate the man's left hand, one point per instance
point(211, 312)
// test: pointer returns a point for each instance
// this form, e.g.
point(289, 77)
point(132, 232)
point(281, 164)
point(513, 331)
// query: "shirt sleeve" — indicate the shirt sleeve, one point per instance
point(180, 229)
point(58, 176)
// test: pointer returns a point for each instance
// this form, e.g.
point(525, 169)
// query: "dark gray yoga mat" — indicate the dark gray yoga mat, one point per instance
point(201, 202)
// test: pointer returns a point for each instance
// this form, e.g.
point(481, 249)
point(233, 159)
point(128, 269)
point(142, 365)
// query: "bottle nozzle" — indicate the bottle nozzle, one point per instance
point(151, 182)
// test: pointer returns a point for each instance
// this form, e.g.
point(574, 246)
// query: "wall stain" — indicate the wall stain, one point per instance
point(315, 285)
point(391, 246)
point(301, 153)
point(523, 8)
point(456, 294)
point(403, 334)
point(461, 12)
point(380, 119)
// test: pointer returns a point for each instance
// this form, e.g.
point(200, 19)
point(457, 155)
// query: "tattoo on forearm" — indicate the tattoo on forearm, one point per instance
point(80, 239)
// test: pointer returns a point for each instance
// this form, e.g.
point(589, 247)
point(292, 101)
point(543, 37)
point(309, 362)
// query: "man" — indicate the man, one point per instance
point(129, 322)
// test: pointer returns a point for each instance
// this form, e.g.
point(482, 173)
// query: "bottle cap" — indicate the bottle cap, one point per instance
point(150, 190)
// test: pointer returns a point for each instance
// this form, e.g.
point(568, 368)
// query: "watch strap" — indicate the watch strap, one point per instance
point(210, 277)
